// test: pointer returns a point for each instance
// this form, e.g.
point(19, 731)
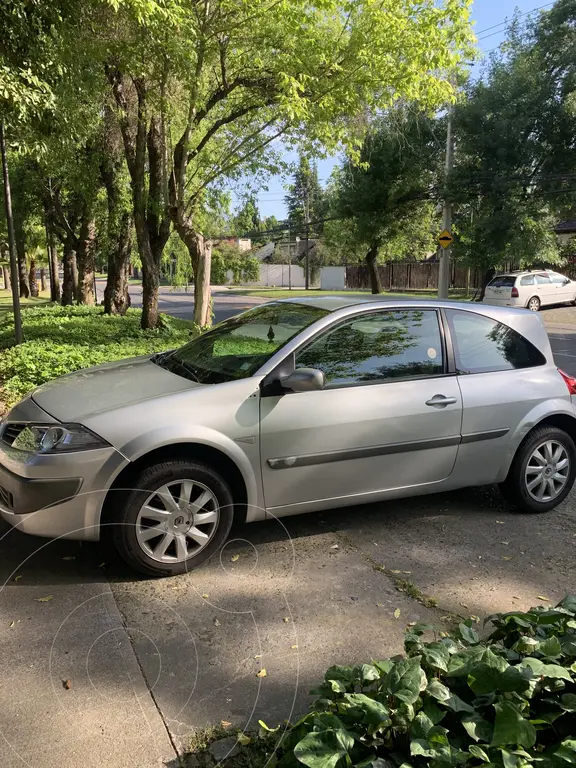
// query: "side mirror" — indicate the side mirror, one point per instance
point(304, 380)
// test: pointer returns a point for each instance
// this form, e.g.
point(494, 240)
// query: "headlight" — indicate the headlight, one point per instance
point(52, 438)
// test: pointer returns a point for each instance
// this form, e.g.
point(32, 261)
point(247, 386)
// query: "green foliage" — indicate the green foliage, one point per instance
point(228, 257)
point(516, 157)
point(383, 199)
point(59, 340)
point(305, 200)
point(508, 701)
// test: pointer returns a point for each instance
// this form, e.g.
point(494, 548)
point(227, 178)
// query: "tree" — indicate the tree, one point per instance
point(385, 195)
point(247, 219)
point(516, 157)
point(305, 200)
point(245, 75)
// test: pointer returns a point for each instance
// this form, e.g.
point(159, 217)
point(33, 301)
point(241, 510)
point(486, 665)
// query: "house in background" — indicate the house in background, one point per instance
point(565, 231)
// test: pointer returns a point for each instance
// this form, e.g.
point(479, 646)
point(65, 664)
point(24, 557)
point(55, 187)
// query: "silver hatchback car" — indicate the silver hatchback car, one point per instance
point(294, 406)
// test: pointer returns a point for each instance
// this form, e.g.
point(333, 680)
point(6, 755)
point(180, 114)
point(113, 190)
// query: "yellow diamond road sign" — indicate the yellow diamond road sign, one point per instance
point(445, 238)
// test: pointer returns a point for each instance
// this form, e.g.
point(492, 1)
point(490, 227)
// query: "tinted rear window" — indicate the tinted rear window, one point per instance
point(482, 345)
point(527, 280)
point(502, 281)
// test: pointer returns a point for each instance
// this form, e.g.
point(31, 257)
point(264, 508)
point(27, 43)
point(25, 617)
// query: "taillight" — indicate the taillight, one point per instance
point(515, 293)
point(570, 382)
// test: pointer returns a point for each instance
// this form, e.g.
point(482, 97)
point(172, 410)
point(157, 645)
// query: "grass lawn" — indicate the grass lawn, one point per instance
point(285, 293)
point(6, 302)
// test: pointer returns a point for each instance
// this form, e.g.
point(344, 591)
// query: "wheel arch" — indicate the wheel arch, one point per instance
point(195, 451)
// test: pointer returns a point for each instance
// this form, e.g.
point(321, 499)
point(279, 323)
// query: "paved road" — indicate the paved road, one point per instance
point(150, 661)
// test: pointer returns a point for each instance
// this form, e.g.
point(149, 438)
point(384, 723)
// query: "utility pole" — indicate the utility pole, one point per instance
point(444, 267)
point(306, 243)
point(11, 239)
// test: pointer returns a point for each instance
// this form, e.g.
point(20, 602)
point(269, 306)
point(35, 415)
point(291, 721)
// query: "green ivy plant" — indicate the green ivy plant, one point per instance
point(508, 700)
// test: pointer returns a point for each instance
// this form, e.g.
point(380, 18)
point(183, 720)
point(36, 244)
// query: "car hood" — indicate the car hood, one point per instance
point(107, 387)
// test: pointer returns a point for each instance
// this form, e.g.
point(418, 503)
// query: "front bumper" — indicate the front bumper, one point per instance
point(59, 495)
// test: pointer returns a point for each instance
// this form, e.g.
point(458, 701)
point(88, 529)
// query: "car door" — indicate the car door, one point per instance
point(563, 287)
point(546, 290)
point(389, 416)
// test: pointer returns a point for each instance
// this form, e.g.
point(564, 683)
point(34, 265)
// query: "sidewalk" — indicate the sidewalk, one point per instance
point(60, 627)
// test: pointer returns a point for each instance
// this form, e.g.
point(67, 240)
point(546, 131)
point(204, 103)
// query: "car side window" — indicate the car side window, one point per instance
point(482, 345)
point(542, 280)
point(377, 347)
point(527, 280)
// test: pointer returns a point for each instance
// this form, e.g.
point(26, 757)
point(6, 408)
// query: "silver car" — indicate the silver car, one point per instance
point(294, 406)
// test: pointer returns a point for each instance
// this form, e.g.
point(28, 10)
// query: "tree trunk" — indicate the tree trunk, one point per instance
point(375, 283)
point(85, 261)
point(201, 256)
point(119, 226)
point(43, 285)
point(150, 282)
point(33, 282)
point(116, 296)
point(488, 275)
point(21, 254)
point(6, 273)
point(70, 279)
point(54, 267)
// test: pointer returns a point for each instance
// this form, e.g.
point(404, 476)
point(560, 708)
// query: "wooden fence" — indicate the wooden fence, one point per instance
point(413, 276)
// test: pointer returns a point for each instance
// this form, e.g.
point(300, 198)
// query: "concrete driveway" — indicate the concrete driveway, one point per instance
point(148, 662)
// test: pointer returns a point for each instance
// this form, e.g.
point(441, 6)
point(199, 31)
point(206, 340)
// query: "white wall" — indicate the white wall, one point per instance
point(333, 278)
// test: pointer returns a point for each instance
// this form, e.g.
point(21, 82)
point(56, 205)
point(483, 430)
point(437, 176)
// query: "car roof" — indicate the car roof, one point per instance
point(334, 303)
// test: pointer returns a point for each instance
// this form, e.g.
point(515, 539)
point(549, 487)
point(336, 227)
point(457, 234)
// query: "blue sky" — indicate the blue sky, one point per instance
point(485, 13)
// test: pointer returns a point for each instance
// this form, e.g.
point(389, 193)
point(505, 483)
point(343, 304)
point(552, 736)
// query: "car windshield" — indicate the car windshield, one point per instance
point(237, 348)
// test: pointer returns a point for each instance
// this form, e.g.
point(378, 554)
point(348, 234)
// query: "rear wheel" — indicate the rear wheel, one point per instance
point(534, 304)
point(178, 516)
point(543, 471)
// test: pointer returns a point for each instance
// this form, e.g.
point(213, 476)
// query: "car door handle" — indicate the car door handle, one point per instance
point(440, 401)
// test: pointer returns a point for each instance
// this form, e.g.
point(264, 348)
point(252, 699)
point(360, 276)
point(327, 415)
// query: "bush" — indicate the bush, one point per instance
point(509, 701)
point(60, 340)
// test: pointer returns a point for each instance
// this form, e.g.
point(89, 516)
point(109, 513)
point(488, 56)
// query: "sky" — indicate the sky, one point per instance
point(488, 16)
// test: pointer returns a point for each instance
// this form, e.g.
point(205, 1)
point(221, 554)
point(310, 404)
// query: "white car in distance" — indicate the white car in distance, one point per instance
point(531, 289)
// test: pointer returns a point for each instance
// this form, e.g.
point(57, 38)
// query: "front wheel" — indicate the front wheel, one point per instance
point(178, 515)
point(543, 471)
point(534, 304)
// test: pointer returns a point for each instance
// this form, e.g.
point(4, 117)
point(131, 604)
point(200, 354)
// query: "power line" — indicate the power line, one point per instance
point(503, 23)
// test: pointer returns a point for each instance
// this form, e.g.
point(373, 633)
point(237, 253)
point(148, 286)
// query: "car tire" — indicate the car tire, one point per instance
point(533, 304)
point(527, 468)
point(166, 510)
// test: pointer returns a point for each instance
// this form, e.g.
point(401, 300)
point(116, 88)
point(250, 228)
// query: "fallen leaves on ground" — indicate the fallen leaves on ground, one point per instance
point(234, 558)
point(44, 599)
point(397, 613)
point(67, 684)
point(286, 619)
point(293, 647)
point(205, 596)
point(216, 623)
point(262, 673)
point(506, 557)
point(17, 578)
point(225, 723)
point(244, 740)
point(542, 597)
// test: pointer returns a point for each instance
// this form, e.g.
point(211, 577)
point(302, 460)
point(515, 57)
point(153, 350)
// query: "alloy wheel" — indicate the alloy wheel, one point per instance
point(547, 471)
point(534, 304)
point(177, 521)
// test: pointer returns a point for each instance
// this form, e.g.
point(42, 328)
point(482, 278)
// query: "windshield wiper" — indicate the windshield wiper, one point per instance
point(163, 361)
